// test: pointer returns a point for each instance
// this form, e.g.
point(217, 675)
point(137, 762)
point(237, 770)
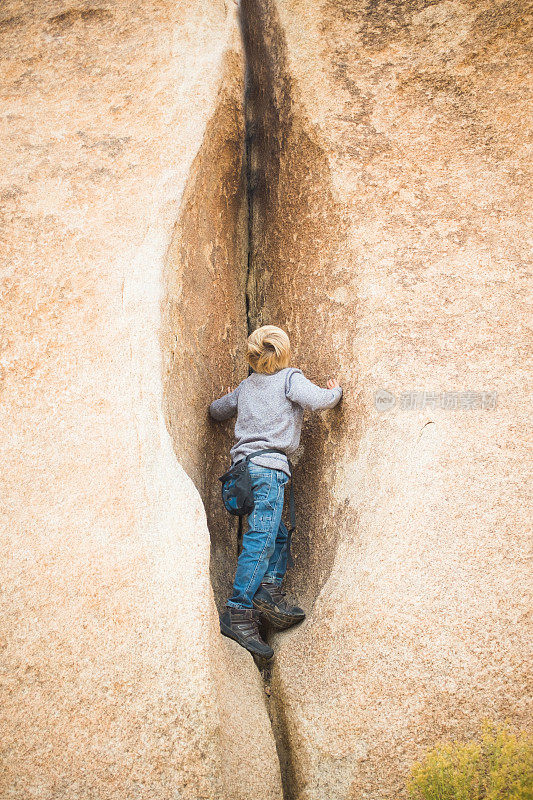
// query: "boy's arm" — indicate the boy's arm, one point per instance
point(226, 406)
point(308, 395)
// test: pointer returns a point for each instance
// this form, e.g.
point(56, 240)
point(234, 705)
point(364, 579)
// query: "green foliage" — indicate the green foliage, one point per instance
point(499, 766)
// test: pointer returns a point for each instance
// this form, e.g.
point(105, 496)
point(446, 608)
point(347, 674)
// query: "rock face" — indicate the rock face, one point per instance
point(115, 680)
point(387, 185)
point(389, 238)
point(205, 321)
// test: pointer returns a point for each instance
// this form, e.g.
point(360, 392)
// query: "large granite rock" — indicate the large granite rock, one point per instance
point(388, 179)
point(390, 239)
point(115, 680)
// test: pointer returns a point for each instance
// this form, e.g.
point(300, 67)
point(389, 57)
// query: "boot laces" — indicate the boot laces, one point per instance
point(276, 592)
point(248, 624)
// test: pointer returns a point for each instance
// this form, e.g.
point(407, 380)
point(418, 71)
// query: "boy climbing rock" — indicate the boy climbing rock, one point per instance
point(269, 404)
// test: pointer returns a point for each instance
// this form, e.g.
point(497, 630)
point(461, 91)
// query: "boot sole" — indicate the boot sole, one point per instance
point(225, 631)
point(279, 621)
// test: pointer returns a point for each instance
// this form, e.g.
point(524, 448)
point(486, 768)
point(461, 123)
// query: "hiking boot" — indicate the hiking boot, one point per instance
point(270, 601)
point(241, 624)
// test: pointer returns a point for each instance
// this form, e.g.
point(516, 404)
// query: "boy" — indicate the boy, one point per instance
point(270, 404)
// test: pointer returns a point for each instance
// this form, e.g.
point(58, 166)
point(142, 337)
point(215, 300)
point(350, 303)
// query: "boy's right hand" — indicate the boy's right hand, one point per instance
point(333, 384)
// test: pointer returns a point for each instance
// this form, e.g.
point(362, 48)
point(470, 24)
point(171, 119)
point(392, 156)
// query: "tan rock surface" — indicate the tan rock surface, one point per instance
point(391, 240)
point(205, 314)
point(115, 680)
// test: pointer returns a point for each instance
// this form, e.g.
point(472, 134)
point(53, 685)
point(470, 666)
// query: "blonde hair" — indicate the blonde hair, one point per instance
point(269, 350)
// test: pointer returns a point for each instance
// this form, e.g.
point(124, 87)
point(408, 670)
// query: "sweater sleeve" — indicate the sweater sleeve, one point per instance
point(226, 406)
point(308, 395)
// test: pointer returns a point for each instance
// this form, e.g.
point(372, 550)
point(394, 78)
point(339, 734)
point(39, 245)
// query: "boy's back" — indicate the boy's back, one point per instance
point(270, 413)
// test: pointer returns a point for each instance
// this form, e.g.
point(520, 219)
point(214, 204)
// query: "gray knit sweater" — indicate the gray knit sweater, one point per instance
point(270, 412)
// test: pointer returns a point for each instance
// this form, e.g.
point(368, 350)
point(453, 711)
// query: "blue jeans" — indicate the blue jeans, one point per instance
point(264, 545)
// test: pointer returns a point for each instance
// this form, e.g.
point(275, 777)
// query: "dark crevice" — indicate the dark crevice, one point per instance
point(250, 128)
point(249, 188)
point(293, 224)
point(250, 305)
point(260, 133)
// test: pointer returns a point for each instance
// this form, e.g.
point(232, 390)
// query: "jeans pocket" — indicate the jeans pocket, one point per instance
point(261, 518)
point(263, 486)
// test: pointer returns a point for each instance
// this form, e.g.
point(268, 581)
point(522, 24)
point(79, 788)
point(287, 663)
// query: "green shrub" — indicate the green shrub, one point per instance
point(497, 767)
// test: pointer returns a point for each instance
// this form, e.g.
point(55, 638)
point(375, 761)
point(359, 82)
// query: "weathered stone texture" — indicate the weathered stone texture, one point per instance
point(115, 680)
point(391, 241)
point(205, 322)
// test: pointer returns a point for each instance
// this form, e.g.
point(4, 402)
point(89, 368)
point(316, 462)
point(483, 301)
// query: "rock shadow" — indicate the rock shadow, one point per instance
point(204, 314)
